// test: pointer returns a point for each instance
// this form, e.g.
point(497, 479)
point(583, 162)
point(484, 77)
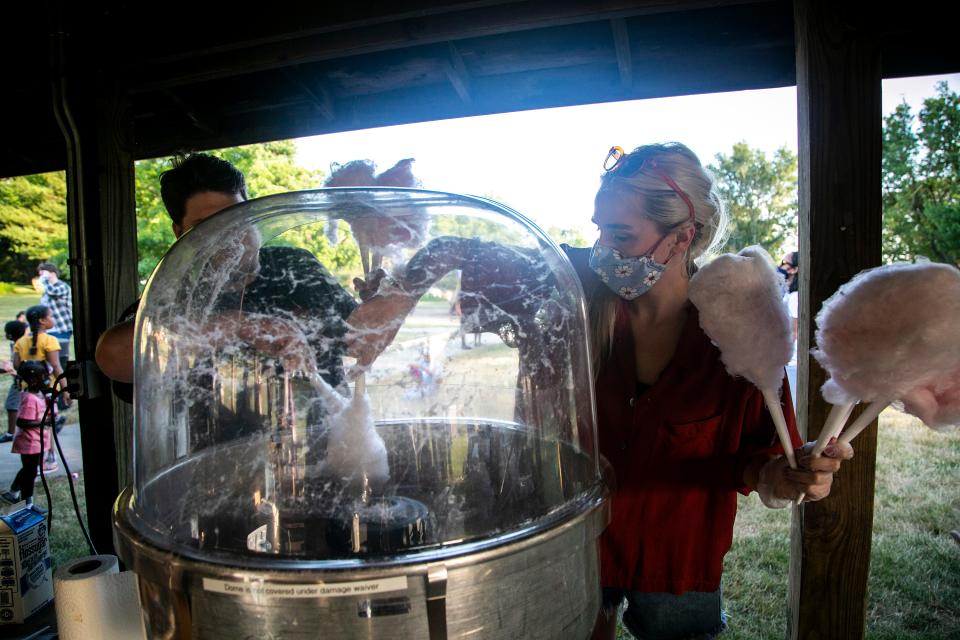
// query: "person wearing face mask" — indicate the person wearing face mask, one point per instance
point(680, 435)
point(789, 268)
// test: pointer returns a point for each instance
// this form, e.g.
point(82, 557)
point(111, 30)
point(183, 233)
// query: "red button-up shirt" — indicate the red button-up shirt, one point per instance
point(678, 449)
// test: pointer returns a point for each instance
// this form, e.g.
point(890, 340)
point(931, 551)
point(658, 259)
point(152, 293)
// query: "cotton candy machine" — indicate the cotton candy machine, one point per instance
point(453, 490)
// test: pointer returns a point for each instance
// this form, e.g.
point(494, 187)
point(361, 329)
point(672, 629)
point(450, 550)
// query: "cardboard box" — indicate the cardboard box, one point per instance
point(26, 574)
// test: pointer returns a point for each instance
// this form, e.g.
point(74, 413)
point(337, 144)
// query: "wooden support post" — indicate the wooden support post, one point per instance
point(116, 222)
point(103, 260)
point(838, 93)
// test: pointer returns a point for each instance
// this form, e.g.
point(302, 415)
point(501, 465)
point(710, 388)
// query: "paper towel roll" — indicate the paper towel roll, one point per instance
point(95, 600)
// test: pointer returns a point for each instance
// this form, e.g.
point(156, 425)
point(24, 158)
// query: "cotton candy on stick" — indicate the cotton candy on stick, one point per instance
point(355, 451)
point(336, 401)
point(937, 405)
point(839, 413)
point(377, 233)
point(741, 309)
point(356, 454)
point(891, 333)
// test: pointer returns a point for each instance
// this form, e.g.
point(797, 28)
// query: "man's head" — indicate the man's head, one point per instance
point(199, 186)
point(48, 269)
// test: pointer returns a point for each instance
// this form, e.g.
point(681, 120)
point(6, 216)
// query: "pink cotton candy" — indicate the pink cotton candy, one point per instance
point(937, 405)
point(402, 227)
point(399, 175)
point(357, 173)
point(891, 333)
point(739, 298)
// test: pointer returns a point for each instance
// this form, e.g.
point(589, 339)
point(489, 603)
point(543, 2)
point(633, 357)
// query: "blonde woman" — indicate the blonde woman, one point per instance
point(681, 435)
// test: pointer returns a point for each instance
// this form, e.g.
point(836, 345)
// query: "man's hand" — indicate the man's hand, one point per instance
point(275, 337)
point(374, 325)
point(812, 478)
point(368, 288)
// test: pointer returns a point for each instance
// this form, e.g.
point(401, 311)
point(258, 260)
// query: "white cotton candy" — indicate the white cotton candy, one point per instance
point(739, 298)
point(354, 448)
point(891, 333)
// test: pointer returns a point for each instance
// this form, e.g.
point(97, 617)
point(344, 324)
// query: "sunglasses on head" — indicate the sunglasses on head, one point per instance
point(618, 161)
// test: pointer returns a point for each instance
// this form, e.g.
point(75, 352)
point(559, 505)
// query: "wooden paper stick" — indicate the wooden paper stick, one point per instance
point(360, 386)
point(837, 418)
point(773, 406)
point(831, 429)
point(869, 415)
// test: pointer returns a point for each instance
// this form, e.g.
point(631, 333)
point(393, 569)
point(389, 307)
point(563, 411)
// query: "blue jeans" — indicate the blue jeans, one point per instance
point(12, 402)
point(63, 337)
point(665, 616)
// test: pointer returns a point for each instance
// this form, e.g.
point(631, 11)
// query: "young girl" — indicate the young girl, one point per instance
point(33, 409)
point(13, 330)
point(39, 345)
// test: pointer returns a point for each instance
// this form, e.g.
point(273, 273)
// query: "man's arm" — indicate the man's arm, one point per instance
point(114, 354)
point(57, 290)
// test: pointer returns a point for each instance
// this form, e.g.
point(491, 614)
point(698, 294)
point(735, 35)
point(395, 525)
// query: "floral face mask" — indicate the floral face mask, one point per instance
point(629, 278)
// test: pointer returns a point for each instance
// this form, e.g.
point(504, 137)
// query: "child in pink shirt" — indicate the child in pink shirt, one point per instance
point(34, 412)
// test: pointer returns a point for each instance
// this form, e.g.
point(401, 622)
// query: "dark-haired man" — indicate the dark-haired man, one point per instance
point(57, 296)
point(300, 295)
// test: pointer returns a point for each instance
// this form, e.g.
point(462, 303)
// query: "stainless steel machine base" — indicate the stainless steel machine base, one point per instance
point(541, 586)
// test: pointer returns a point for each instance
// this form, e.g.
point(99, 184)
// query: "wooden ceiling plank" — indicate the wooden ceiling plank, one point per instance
point(406, 33)
point(315, 93)
point(457, 73)
point(621, 43)
point(202, 122)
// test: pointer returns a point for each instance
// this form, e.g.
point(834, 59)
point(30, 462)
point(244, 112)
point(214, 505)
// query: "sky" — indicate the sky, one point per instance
point(546, 164)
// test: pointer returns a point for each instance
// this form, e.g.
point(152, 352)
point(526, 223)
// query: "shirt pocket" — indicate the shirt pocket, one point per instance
point(695, 439)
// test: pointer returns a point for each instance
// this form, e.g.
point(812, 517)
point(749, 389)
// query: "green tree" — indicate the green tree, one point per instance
point(572, 237)
point(33, 224)
point(921, 180)
point(760, 195)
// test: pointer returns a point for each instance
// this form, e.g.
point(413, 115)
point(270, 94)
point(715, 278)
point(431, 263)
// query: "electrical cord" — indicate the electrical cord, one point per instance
point(51, 400)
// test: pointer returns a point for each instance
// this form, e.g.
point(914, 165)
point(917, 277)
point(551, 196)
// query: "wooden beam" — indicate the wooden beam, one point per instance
point(318, 97)
point(202, 122)
point(456, 72)
point(347, 40)
point(621, 43)
point(162, 134)
point(838, 94)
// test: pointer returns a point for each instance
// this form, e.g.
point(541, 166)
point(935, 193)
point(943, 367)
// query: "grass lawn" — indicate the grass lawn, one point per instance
point(914, 583)
point(10, 304)
point(66, 539)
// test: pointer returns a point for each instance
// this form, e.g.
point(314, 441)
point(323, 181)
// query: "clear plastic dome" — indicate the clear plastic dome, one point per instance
point(254, 438)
